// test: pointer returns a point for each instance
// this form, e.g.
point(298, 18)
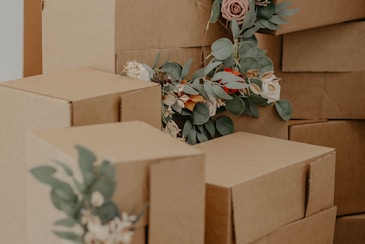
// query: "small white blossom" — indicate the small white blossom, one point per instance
point(97, 199)
point(136, 70)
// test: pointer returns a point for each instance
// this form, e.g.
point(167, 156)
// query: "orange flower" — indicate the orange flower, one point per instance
point(236, 73)
point(194, 99)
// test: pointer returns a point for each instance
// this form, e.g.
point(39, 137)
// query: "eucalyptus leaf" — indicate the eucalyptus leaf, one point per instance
point(287, 12)
point(107, 212)
point(189, 90)
point(107, 169)
point(267, 24)
point(210, 127)
point(247, 49)
point(67, 222)
point(219, 92)
point(235, 29)
point(236, 85)
point(265, 65)
point(266, 11)
point(226, 77)
point(186, 68)
point(258, 100)
point(201, 137)
point(198, 73)
point(208, 87)
point(224, 125)
point(284, 109)
point(222, 48)
point(278, 20)
point(251, 31)
point(188, 126)
point(260, 52)
point(44, 174)
point(200, 114)
point(229, 62)
point(86, 163)
point(253, 109)
point(176, 107)
point(251, 39)
point(173, 69)
point(67, 235)
point(65, 206)
point(65, 167)
point(250, 16)
point(65, 194)
point(211, 66)
point(249, 63)
point(282, 6)
point(191, 139)
point(215, 13)
point(105, 186)
point(235, 106)
point(156, 60)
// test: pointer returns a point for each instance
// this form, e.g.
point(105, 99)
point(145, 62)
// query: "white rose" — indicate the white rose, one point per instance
point(212, 105)
point(271, 88)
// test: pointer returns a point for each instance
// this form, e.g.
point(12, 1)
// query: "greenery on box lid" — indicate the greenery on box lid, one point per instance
point(91, 217)
point(239, 77)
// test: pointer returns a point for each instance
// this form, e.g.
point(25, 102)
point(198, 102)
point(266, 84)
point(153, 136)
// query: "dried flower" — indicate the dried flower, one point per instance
point(136, 70)
point(172, 128)
point(270, 87)
point(235, 9)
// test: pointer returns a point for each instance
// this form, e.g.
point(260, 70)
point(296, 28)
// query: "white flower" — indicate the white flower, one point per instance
point(137, 70)
point(172, 128)
point(97, 199)
point(270, 87)
point(212, 105)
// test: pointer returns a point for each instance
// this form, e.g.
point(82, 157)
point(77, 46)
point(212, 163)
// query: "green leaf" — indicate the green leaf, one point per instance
point(224, 125)
point(253, 109)
point(282, 6)
point(211, 66)
point(229, 62)
point(248, 64)
point(288, 12)
point(278, 20)
point(257, 100)
point(219, 92)
point(86, 163)
point(67, 222)
point(186, 68)
point(236, 85)
point(105, 186)
point(250, 32)
point(215, 13)
point(44, 174)
point(236, 105)
point(188, 126)
point(65, 167)
point(174, 69)
point(250, 16)
point(266, 11)
point(208, 87)
point(267, 24)
point(66, 193)
point(235, 29)
point(189, 90)
point(226, 77)
point(265, 65)
point(251, 39)
point(107, 169)
point(200, 114)
point(191, 139)
point(198, 73)
point(210, 127)
point(247, 49)
point(69, 236)
point(201, 137)
point(107, 212)
point(260, 52)
point(65, 206)
point(284, 109)
point(156, 60)
point(222, 48)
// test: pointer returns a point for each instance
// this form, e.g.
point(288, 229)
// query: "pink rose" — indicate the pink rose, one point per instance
point(235, 9)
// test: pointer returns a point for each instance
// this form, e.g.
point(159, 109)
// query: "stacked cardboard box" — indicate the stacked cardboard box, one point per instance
point(169, 175)
point(322, 70)
point(267, 190)
point(62, 99)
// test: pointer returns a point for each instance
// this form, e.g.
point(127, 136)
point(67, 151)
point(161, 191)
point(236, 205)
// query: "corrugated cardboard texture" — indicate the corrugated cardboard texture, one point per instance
point(169, 175)
point(350, 229)
point(32, 63)
point(317, 229)
point(335, 48)
point(53, 101)
point(89, 33)
point(267, 180)
point(268, 124)
point(348, 138)
point(315, 13)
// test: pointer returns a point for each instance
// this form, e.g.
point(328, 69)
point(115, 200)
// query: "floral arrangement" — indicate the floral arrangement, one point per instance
point(238, 78)
point(91, 215)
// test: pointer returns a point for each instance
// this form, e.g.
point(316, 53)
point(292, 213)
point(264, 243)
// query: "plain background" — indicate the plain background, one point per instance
point(11, 39)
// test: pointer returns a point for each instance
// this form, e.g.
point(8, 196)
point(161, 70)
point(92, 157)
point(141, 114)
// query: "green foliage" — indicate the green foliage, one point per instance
point(284, 109)
point(224, 125)
point(222, 48)
point(235, 106)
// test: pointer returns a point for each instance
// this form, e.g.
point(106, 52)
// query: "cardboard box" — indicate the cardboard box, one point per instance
point(90, 33)
point(64, 99)
point(350, 229)
point(313, 13)
point(348, 138)
point(256, 184)
point(168, 174)
point(268, 124)
point(335, 48)
point(316, 229)
point(32, 60)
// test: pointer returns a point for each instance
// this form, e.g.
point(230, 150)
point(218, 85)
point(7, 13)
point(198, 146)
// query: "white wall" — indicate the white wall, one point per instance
point(11, 39)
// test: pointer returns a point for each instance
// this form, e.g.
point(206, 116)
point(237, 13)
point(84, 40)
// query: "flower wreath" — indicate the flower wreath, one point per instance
point(238, 78)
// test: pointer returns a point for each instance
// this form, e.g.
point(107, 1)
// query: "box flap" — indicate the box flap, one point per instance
point(78, 84)
point(174, 204)
point(350, 229)
point(334, 48)
point(247, 160)
point(321, 184)
point(318, 228)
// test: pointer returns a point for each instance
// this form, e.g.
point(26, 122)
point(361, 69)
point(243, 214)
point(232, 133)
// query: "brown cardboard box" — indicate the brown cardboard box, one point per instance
point(348, 138)
point(316, 229)
point(256, 184)
point(313, 13)
point(268, 124)
point(335, 48)
point(168, 174)
point(89, 33)
point(72, 98)
point(32, 61)
point(350, 229)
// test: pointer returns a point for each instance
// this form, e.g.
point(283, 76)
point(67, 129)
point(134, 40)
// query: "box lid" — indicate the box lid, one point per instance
point(245, 156)
point(78, 84)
